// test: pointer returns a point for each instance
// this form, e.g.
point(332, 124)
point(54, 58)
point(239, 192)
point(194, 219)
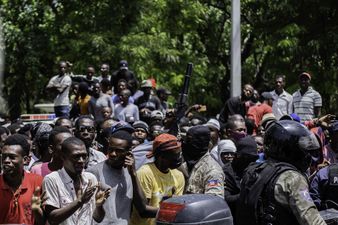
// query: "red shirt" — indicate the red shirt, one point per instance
point(257, 112)
point(18, 211)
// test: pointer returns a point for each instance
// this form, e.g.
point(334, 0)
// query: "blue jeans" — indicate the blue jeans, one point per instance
point(61, 111)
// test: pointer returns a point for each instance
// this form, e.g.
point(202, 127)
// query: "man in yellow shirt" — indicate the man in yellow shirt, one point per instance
point(160, 180)
point(84, 98)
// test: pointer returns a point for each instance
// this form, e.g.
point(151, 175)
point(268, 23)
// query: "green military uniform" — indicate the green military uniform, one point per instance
point(206, 177)
point(292, 192)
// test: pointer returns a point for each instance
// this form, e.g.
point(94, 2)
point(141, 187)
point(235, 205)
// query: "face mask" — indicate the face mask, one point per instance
point(237, 135)
point(177, 162)
point(305, 164)
point(191, 153)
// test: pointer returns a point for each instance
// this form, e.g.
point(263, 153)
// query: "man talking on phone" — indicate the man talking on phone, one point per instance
point(113, 173)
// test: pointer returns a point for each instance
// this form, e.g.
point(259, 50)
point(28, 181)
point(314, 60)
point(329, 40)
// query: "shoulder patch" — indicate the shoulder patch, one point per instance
point(214, 183)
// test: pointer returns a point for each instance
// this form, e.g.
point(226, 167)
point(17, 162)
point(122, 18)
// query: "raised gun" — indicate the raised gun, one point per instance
point(182, 103)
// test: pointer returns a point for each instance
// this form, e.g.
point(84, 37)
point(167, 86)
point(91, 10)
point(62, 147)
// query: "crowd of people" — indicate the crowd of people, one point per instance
point(116, 151)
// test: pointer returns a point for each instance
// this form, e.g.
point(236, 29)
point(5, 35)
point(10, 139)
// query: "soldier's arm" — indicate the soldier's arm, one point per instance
point(292, 192)
point(214, 182)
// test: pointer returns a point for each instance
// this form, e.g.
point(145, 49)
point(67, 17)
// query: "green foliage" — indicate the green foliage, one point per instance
point(159, 37)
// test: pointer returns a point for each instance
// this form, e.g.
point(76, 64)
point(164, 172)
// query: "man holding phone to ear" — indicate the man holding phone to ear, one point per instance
point(113, 173)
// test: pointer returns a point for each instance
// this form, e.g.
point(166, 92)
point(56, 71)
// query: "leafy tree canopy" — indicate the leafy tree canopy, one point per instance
point(159, 37)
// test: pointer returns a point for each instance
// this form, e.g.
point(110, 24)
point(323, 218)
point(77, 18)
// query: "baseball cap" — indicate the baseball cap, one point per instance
point(213, 123)
point(305, 74)
point(164, 143)
point(226, 146)
point(141, 124)
point(146, 84)
point(267, 119)
point(157, 114)
point(163, 91)
point(121, 125)
point(123, 64)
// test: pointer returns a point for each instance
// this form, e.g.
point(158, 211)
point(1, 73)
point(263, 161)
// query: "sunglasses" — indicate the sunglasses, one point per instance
point(89, 129)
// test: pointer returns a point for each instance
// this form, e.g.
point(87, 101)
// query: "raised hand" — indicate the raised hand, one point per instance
point(325, 121)
point(38, 200)
point(101, 195)
point(87, 194)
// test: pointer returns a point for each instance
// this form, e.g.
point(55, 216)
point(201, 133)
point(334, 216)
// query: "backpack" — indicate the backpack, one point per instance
point(257, 192)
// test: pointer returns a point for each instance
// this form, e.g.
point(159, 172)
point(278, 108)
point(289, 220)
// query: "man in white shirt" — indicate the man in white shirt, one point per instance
point(60, 85)
point(73, 196)
point(125, 111)
point(282, 100)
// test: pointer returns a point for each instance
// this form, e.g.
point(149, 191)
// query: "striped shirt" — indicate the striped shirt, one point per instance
point(303, 105)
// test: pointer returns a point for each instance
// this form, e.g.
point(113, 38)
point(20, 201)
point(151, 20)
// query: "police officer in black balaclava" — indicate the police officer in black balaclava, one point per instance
point(205, 174)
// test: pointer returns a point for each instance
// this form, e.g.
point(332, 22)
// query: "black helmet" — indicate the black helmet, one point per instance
point(291, 142)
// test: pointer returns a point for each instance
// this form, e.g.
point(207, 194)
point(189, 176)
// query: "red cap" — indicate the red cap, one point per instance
point(305, 74)
point(164, 142)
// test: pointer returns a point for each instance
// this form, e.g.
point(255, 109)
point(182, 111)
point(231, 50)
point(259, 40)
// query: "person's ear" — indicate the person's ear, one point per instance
point(26, 160)
point(50, 149)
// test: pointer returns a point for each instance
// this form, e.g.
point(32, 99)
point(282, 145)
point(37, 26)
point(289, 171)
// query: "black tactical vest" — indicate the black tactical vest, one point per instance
point(331, 190)
point(257, 204)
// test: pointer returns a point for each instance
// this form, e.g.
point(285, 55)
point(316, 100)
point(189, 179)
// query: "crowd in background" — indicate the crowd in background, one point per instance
point(113, 155)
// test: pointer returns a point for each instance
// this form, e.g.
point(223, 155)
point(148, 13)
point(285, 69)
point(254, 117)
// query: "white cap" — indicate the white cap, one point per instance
point(226, 146)
point(213, 123)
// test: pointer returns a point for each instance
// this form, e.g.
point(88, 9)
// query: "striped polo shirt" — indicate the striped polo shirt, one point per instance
point(303, 105)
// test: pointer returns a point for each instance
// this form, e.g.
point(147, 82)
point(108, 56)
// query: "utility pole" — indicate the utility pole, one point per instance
point(236, 72)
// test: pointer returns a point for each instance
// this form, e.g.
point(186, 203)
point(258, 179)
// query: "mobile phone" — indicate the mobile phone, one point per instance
point(202, 108)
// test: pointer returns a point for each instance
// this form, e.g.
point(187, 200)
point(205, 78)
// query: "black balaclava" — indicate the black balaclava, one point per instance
point(196, 144)
point(246, 154)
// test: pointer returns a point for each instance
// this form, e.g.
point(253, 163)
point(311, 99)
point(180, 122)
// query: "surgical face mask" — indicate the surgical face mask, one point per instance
point(237, 135)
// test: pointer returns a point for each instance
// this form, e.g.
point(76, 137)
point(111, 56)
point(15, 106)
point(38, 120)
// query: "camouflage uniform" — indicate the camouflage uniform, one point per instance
point(206, 177)
point(292, 192)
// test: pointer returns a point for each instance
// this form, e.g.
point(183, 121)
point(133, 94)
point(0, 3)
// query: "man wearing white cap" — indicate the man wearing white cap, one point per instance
point(226, 150)
point(214, 128)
